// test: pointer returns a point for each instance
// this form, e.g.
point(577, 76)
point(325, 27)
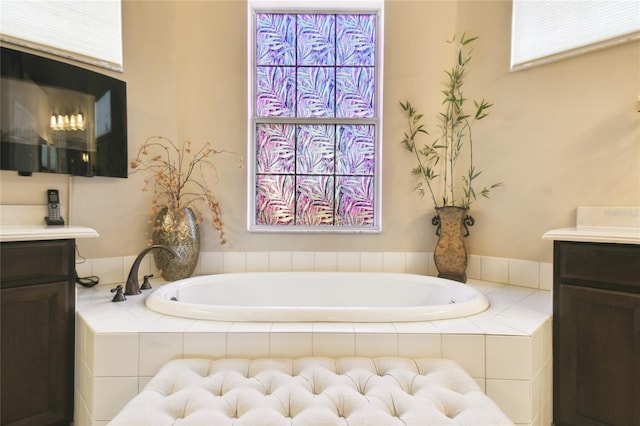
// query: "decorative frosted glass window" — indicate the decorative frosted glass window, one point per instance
point(315, 121)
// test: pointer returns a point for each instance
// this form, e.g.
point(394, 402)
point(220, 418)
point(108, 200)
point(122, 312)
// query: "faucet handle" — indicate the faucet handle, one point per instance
point(145, 283)
point(119, 297)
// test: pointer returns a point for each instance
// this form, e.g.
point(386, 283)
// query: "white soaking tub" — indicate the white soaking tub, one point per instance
point(317, 297)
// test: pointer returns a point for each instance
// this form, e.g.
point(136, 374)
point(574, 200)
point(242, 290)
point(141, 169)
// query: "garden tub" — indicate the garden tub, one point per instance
point(316, 297)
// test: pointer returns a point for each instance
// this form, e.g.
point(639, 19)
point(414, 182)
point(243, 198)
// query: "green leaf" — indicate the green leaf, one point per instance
point(465, 42)
point(454, 138)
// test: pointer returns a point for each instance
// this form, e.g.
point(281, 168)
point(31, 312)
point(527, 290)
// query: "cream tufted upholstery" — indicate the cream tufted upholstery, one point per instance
point(311, 392)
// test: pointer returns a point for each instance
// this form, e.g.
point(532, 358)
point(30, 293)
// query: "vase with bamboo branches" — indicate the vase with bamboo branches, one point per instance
point(438, 163)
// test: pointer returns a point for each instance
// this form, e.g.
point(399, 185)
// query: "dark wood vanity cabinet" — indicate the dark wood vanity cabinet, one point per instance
point(37, 281)
point(596, 334)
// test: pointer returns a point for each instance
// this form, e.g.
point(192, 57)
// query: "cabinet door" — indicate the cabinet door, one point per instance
point(36, 355)
point(33, 262)
point(597, 372)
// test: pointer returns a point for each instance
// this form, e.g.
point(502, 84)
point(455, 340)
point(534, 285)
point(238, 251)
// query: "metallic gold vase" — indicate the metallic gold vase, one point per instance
point(179, 230)
point(450, 254)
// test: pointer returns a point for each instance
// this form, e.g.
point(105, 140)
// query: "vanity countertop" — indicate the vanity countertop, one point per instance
point(594, 234)
point(44, 232)
point(617, 225)
point(26, 223)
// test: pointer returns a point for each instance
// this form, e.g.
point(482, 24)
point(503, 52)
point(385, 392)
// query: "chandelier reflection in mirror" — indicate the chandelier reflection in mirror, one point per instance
point(67, 122)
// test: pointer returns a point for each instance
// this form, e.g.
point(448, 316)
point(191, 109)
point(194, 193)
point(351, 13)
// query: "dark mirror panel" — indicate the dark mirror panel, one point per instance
point(59, 118)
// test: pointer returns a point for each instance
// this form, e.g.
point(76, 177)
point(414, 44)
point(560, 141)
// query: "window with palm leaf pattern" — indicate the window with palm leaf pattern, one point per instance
point(315, 114)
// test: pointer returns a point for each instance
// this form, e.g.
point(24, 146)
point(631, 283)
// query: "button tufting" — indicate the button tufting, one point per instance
point(311, 391)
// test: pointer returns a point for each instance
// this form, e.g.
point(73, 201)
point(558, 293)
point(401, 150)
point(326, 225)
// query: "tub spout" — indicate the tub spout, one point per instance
point(133, 286)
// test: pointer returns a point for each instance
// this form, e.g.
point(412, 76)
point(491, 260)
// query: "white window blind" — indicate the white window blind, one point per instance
point(544, 31)
point(84, 30)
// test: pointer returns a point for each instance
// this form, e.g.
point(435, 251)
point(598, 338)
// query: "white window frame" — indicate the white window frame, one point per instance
point(310, 6)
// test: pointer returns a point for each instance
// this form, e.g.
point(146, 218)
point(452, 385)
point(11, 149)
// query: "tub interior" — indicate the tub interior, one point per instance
point(317, 296)
point(316, 290)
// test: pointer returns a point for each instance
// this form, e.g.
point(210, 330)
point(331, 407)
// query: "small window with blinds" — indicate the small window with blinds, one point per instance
point(83, 30)
point(546, 31)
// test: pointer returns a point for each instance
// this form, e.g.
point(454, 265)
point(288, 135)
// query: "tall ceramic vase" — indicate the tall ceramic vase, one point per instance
point(450, 254)
point(179, 230)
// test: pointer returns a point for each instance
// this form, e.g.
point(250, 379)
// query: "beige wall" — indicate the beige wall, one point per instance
point(561, 135)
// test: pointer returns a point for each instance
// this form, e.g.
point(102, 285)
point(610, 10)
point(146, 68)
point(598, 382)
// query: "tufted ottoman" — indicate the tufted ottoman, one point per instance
point(313, 392)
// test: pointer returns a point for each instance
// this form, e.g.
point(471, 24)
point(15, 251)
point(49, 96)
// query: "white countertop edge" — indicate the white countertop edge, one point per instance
point(43, 232)
point(595, 235)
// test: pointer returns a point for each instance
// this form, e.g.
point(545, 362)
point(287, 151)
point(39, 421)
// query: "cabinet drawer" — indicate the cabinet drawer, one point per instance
point(27, 262)
point(605, 263)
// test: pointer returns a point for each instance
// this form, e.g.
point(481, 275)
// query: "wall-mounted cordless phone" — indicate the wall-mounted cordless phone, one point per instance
point(53, 205)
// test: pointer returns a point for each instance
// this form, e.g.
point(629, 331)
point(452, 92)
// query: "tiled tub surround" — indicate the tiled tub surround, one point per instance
point(524, 273)
point(506, 349)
